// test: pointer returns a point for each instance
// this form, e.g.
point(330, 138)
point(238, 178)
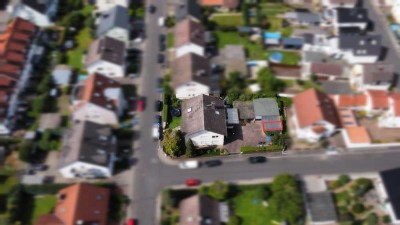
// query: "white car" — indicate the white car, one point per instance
point(192, 164)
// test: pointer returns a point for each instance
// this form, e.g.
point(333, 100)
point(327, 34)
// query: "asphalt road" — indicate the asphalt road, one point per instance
point(150, 175)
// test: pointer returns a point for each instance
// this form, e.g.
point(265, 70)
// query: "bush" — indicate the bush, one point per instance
point(25, 151)
point(344, 179)
point(345, 216)
point(173, 143)
point(44, 189)
point(386, 219)
point(358, 208)
point(361, 187)
point(254, 149)
point(372, 219)
point(217, 190)
point(234, 220)
point(190, 149)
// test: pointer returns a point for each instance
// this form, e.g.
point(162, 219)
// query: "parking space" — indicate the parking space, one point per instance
point(248, 135)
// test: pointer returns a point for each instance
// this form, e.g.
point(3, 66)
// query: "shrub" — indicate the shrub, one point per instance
point(358, 208)
point(361, 187)
point(217, 190)
point(25, 150)
point(386, 219)
point(234, 220)
point(372, 219)
point(190, 149)
point(344, 179)
point(173, 143)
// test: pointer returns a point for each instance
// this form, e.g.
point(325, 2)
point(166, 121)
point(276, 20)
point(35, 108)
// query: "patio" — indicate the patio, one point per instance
point(249, 134)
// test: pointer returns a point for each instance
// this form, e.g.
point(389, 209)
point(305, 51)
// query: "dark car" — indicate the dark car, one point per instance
point(162, 38)
point(152, 9)
point(257, 159)
point(160, 58)
point(158, 105)
point(39, 167)
point(213, 163)
point(162, 47)
point(176, 112)
point(157, 119)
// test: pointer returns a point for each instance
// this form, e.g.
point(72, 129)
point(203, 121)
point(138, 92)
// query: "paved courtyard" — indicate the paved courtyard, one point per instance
point(247, 135)
point(381, 135)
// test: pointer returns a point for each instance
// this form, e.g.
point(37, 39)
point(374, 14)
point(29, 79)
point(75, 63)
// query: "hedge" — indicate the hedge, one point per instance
point(253, 149)
point(44, 189)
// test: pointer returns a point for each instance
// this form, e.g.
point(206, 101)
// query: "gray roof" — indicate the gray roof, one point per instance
point(295, 41)
point(378, 73)
point(191, 67)
point(304, 17)
point(336, 87)
point(309, 56)
point(89, 142)
point(199, 210)
point(321, 207)
point(107, 49)
point(117, 16)
point(246, 109)
point(204, 113)
point(188, 8)
point(352, 15)
point(265, 107)
point(361, 45)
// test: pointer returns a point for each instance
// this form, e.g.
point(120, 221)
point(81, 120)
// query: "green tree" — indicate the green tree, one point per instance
point(25, 150)
point(45, 84)
point(173, 143)
point(268, 82)
point(344, 179)
point(190, 149)
point(372, 219)
point(234, 220)
point(358, 208)
point(44, 143)
point(236, 80)
point(170, 21)
point(217, 190)
point(286, 201)
point(232, 95)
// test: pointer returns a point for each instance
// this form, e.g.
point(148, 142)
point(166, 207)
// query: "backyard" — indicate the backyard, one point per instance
point(43, 205)
point(7, 181)
point(228, 19)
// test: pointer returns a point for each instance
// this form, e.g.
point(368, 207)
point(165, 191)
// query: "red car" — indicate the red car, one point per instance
point(140, 106)
point(131, 222)
point(192, 182)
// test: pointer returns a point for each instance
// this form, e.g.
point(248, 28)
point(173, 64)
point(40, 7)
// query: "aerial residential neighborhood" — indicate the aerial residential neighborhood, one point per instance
point(199, 112)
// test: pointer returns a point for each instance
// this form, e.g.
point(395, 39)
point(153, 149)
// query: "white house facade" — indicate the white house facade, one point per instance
point(391, 117)
point(86, 170)
point(107, 68)
point(105, 5)
point(95, 114)
point(41, 19)
point(119, 34)
point(206, 138)
point(189, 48)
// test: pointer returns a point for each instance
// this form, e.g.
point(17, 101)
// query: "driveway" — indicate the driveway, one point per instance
point(380, 134)
point(248, 135)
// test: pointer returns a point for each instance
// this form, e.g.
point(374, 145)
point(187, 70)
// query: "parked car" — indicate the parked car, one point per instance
point(158, 105)
point(140, 106)
point(39, 167)
point(131, 222)
point(257, 159)
point(213, 163)
point(191, 164)
point(160, 58)
point(176, 112)
point(192, 182)
point(152, 9)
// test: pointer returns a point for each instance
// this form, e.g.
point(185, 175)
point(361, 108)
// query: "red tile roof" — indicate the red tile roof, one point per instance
point(358, 135)
point(80, 202)
point(380, 99)
point(352, 100)
point(5, 81)
point(313, 106)
point(227, 3)
point(396, 103)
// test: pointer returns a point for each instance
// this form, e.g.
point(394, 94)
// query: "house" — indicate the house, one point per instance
point(336, 87)
point(114, 23)
point(391, 118)
point(350, 18)
point(358, 48)
point(188, 9)
point(356, 102)
point(105, 5)
point(293, 42)
point(323, 71)
point(372, 76)
point(356, 137)
point(245, 109)
point(89, 151)
point(235, 60)
point(272, 38)
point(106, 55)
point(339, 3)
point(199, 210)
point(378, 100)
point(388, 188)
point(314, 115)
point(224, 4)
point(303, 18)
point(321, 208)
point(189, 38)
point(62, 75)
point(191, 76)
point(80, 203)
point(99, 100)
point(39, 12)
point(267, 110)
point(204, 121)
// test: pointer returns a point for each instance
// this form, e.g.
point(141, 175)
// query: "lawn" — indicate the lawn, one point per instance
point(289, 58)
point(272, 9)
point(170, 40)
point(176, 122)
point(43, 205)
point(276, 26)
point(228, 20)
point(248, 205)
point(7, 182)
point(254, 49)
point(75, 55)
